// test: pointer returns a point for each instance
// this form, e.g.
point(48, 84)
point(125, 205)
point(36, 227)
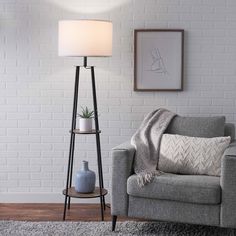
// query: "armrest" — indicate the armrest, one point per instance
point(228, 186)
point(122, 162)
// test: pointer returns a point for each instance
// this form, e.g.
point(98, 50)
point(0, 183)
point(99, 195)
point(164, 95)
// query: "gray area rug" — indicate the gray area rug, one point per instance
point(21, 228)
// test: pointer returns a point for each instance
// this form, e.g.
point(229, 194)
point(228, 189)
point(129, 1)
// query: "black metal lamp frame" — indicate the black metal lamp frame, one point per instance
point(72, 140)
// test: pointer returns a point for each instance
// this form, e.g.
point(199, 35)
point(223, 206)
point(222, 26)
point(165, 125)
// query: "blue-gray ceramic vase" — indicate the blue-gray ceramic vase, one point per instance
point(85, 179)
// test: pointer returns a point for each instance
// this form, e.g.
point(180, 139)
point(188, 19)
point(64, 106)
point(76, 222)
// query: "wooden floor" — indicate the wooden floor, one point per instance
point(53, 212)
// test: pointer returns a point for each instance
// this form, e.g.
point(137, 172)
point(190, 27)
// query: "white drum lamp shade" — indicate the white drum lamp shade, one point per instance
point(85, 38)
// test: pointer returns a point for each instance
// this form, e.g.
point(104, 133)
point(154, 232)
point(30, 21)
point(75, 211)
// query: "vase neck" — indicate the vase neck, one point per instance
point(85, 165)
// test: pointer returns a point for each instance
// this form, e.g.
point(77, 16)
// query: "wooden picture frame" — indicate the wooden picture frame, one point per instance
point(158, 59)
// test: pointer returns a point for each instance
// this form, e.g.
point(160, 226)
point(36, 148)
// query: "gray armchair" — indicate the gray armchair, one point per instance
point(194, 199)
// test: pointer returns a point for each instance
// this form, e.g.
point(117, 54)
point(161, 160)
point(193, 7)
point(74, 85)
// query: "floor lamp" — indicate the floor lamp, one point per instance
point(84, 38)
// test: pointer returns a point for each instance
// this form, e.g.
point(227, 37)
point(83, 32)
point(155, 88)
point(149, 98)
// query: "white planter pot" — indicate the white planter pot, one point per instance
point(85, 125)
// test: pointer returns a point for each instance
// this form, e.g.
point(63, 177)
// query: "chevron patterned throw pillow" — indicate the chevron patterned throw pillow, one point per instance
point(192, 155)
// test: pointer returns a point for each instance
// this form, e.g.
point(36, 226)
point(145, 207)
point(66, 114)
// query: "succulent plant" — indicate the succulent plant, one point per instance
point(86, 113)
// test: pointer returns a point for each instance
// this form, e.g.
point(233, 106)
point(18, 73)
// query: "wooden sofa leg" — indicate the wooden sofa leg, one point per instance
point(114, 218)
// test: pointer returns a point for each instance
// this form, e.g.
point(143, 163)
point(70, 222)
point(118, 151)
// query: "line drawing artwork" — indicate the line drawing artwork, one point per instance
point(157, 65)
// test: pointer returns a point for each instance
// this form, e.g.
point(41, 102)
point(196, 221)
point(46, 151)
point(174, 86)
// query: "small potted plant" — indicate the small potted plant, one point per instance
point(86, 120)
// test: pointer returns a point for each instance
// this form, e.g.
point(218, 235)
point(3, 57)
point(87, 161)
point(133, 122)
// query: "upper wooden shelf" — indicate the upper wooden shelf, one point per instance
point(77, 131)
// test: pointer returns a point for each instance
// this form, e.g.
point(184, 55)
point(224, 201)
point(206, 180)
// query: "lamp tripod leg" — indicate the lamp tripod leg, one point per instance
point(71, 165)
point(99, 159)
point(72, 141)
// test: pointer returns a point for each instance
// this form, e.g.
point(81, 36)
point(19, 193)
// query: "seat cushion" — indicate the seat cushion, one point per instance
point(205, 127)
point(184, 188)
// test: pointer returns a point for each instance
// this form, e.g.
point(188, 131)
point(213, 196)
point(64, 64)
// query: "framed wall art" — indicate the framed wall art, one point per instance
point(158, 59)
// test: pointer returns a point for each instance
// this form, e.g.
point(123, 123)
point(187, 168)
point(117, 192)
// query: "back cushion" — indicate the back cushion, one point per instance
point(230, 130)
point(206, 127)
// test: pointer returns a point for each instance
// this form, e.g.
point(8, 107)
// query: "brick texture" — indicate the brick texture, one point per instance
point(36, 86)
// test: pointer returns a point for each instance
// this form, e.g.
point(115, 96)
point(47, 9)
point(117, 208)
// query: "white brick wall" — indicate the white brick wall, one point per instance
point(36, 86)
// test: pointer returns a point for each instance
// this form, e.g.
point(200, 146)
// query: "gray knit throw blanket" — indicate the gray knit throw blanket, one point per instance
point(147, 140)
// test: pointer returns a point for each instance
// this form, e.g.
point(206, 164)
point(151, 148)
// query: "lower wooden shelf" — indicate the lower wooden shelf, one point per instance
point(95, 194)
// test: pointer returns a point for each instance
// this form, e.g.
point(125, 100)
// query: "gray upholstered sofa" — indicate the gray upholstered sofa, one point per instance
point(206, 200)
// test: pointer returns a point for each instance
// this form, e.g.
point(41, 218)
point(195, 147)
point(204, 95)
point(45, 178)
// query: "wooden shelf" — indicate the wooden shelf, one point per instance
point(95, 194)
point(77, 131)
